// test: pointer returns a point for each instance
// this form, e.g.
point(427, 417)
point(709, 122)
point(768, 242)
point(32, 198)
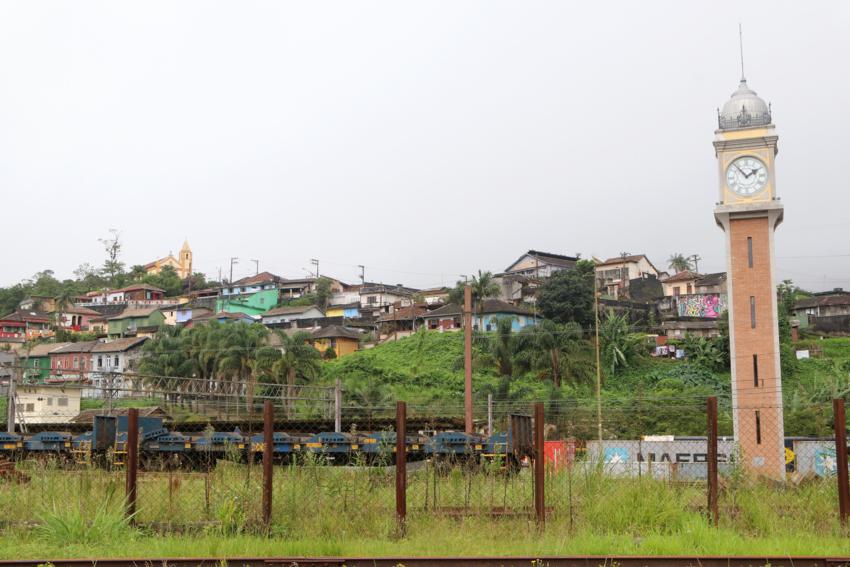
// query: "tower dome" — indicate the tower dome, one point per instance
point(744, 109)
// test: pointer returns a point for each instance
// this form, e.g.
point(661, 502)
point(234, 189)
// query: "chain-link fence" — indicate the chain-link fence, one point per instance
point(336, 461)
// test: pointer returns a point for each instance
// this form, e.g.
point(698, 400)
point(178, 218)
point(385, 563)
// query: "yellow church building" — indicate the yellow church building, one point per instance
point(182, 264)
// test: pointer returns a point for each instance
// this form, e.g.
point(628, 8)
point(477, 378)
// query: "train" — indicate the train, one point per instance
point(160, 447)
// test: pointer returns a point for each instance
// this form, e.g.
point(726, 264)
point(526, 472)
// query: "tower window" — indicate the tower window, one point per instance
point(758, 427)
point(752, 311)
point(756, 370)
point(750, 251)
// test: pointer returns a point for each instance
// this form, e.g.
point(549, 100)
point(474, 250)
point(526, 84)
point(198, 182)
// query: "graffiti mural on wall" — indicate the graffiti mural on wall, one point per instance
point(708, 306)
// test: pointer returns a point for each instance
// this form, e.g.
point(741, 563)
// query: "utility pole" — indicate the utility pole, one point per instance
point(256, 266)
point(233, 260)
point(598, 362)
point(467, 356)
point(10, 404)
point(315, 262)
point(696, 258)
point(362, 273)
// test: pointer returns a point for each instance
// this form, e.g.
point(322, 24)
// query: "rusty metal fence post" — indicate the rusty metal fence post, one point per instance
point(841, 459)
point(132, 460)
point(401, 465)
point(711, 460)
point(268, 456)
point(539, 465)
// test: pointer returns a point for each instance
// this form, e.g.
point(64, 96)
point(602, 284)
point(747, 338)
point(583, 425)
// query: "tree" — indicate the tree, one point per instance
point(137, 273)
point(678, 262)
point(483, 287)
point(555, 350)
point(298, 359)
point(323, 292)
point(167, 279)
point(568, 295)
point(619, 345)
point(112, 266)
point(239, 344)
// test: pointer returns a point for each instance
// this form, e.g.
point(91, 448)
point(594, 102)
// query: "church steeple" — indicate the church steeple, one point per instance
point(185, 260)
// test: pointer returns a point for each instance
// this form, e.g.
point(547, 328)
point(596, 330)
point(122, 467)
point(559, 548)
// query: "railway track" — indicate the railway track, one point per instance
point(571, 561)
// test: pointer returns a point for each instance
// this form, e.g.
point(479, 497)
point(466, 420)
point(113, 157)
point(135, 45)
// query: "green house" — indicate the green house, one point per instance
point(254, 304)
point(36, 362)
point(135, 321)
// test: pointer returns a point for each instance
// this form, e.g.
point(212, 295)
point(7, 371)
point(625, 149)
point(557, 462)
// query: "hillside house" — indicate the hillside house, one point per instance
point(378, 298)
point(263, 281)
point(110, 360)
point(827, 312)
point(287, 314)
point(36, 361)
point(614, 274)
point(75, 318)
point(348, 311)
point(136, 321)
point(22, 325)
point(485, 318)
point(71, 363)
point(682, 283)
point(252, 304)
point(222, 317)
point(520, 280)
point(342, 340)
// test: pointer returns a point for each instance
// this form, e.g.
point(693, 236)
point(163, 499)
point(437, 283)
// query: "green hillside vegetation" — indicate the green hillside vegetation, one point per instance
point(652, 396)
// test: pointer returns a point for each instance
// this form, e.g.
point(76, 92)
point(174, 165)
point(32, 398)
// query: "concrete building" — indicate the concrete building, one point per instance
point(613, 275)
point(41, 403)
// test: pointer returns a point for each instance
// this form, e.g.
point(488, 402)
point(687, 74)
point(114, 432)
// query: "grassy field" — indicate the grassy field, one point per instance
point(321, 510)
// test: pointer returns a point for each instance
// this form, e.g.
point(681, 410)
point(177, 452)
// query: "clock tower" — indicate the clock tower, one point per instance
point(749, 211)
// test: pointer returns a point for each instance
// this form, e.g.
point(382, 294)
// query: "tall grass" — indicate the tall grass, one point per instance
point(340, 510)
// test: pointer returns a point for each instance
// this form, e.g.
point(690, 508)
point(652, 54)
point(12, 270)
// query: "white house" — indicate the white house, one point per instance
point(109, 361)
point(282, 315)
point(46, 404)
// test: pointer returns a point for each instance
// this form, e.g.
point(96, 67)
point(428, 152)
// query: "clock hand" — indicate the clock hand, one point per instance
point(739, 169)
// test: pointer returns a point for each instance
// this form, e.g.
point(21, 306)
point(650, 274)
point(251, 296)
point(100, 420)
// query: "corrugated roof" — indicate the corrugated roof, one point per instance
point(132, 312)
point(336, 332)
point(135, 287)
point(84, 346)
point(119, 345)
point(26, 315)
point(43, 349)
point(682, 276)
point(262, 277)
point(488, 307)
point(289, 310)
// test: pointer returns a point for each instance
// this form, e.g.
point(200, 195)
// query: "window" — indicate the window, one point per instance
point(750, 251)
point(752, 312)
point(371, 300)
point(756, 370)
point(49, 401)
point(115, 361)
point(758, 427)
point(100, 362)
point(76, 362)
point(29, 408)
point(62, 402)
point(677, 290)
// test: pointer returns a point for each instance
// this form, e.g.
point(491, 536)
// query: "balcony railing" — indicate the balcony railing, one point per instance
point(744, 120)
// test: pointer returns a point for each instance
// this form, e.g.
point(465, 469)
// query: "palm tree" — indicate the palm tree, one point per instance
point(298, 358)
point(678, 262)
point(239, 344)
point(61, 302)
point(553, 349)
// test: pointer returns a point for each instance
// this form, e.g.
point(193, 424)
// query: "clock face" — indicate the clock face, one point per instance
point(746, 176)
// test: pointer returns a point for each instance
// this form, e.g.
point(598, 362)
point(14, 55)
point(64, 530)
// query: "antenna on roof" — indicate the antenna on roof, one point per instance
point(741, 47)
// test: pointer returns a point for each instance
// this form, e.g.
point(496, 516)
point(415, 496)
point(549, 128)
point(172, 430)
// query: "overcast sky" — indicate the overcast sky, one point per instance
point(423, 140)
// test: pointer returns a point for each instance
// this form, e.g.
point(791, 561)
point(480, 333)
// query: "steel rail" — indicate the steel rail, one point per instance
point(526, 561)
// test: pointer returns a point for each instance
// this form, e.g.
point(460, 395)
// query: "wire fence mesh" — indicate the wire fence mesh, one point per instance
point(200, 464)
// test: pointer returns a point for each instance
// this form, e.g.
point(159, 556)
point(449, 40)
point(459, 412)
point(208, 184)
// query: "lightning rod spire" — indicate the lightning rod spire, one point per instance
point(741, 47)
